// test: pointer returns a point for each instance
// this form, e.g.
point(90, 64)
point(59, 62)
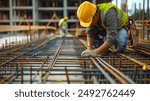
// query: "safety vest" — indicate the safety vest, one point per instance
point(62, 22)
point(122, 16)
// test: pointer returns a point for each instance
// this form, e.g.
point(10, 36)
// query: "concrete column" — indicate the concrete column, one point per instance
point(34, 11)
point(65, 9)
point(10, 12)
point(94, 1)
point(14, 11)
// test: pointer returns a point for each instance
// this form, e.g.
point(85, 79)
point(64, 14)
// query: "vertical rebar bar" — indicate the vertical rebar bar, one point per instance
point(143, 13)
point(134, 73)
point(85, 76)
point(112, 59)
point(148, 11)
point(119, 62)
point(21, 74)
point(66, 72)
point(30, 74)
point(17, 72)
point(135, 15)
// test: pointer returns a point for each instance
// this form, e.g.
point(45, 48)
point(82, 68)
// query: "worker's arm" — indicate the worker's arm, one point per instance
point(103, 48)
point(90, 42)
point(91, 31)
point(111, 30)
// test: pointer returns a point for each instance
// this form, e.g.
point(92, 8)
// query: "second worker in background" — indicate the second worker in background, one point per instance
point(62, 26)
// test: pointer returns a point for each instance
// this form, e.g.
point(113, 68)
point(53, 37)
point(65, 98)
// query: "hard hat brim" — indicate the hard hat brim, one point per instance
point(85, 24)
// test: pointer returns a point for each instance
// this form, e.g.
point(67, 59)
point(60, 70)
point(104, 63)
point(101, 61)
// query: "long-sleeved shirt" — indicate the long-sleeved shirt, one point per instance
point(111, 27)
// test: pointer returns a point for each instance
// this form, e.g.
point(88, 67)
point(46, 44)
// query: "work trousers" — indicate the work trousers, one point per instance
point(63, 31)
point(121, 41)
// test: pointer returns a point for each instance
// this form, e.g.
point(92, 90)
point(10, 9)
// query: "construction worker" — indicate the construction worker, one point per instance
point(62, 26)
point(106, 27)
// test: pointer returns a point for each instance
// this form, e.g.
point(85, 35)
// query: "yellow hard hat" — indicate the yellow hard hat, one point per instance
point(65, 18)
point(85, 13)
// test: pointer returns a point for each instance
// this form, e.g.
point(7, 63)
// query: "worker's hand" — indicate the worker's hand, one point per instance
point(88, 53)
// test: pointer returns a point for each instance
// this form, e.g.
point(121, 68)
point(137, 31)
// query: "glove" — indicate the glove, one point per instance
point(88, 53)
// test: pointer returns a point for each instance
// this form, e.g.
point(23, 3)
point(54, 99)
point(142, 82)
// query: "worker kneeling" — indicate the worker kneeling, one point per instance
point(62, 26)
point(106, 27)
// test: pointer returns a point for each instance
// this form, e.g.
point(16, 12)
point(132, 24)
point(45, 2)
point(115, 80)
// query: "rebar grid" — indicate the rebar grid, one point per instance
point(58, 61)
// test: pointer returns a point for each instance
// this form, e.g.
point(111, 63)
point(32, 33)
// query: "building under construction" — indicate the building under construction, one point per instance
point(32, 51)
